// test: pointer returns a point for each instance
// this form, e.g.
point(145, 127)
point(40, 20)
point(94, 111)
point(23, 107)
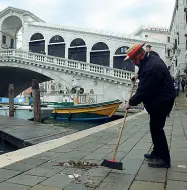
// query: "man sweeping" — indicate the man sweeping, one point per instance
point(156, 91)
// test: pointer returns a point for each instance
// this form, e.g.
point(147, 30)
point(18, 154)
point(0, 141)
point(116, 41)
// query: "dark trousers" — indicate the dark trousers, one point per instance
point(157, 123)
point(183, 88)
point(177, 92)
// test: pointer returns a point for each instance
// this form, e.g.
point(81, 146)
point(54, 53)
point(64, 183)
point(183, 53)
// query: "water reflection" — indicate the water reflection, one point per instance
point(79, 126)
point(5, 147)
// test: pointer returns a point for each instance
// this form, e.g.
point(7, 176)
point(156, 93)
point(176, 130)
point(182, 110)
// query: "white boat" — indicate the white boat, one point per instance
point(26, 112)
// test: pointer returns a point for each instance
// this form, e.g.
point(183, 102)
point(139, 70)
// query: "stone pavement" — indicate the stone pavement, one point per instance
point(41, 172)
point(181, 101)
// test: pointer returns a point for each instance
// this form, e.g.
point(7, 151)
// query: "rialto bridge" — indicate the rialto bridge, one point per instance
point(31, 48)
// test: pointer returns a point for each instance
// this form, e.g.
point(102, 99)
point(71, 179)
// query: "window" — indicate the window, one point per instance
point(37, 36)
point(56, 38)
point(4, 39)
point(146, 36)
point(178, 37)
point(100, 46)
point(176, 63)
point(12, 44)
point(175, 44)
point(123, 50)
point(77, 42)
point(168, 53)
point(168, 39)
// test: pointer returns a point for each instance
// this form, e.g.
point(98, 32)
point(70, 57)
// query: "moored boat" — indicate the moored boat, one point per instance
point(85, 112)
point(57, 104)
point(26, 112)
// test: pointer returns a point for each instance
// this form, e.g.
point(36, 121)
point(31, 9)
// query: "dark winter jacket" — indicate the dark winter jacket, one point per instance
point(155, 84)
point(154, 53)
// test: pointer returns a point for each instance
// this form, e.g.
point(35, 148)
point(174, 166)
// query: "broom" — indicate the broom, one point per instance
point(113, 164)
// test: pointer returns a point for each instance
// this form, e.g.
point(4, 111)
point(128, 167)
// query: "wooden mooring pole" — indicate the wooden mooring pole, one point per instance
point(36, 100)
point(11, 100)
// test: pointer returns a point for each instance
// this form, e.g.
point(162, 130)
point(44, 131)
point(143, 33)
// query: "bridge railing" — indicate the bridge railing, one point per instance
point(76, 98)
point(69, 64)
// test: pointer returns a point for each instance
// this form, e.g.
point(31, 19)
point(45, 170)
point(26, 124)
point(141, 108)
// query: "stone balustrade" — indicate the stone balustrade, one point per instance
point(93, 70)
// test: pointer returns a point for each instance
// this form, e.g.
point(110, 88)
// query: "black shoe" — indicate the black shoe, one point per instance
point(158, 163)
point(150, 156)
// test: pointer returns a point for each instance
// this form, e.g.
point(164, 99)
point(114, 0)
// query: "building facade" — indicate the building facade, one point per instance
point(154, 34)
point(177, 40)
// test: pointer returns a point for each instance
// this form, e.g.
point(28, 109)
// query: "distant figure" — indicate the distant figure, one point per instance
point(183, 83)
point(179, 82)
point(149, 51)
point(176, 85)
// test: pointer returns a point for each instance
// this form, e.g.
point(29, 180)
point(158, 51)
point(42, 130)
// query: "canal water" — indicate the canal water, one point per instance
point(5, 147)
point(80, 125)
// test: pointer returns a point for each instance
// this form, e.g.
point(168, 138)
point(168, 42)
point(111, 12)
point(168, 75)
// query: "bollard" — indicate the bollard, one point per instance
point(11, 100)
point(36, 100)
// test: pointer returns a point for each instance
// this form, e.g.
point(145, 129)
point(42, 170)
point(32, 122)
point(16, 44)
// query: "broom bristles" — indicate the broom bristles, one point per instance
point(112, 164)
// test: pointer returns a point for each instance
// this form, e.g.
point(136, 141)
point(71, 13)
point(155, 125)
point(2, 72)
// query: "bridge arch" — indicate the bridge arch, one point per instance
point(10, 28)
point(100, 54)
point(118, 60)
point(37, 43)
point(56, 46)
point(77, 50)
point(21, 77)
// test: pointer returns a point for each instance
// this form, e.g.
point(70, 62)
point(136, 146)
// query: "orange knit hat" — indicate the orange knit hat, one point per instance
point(134, 51)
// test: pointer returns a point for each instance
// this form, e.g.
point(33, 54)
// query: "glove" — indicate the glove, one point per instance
point(127, 106)
point(134, 78)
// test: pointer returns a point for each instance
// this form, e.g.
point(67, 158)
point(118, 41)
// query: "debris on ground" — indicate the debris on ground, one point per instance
point(77, 164)
point(74, 176)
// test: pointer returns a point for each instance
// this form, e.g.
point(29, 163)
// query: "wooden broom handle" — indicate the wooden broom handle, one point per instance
point(124, 120)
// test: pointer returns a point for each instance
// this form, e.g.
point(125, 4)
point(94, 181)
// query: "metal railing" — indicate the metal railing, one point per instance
point(75, 98)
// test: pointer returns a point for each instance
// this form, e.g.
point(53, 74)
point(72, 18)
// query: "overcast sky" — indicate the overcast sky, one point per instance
point(118, 16)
